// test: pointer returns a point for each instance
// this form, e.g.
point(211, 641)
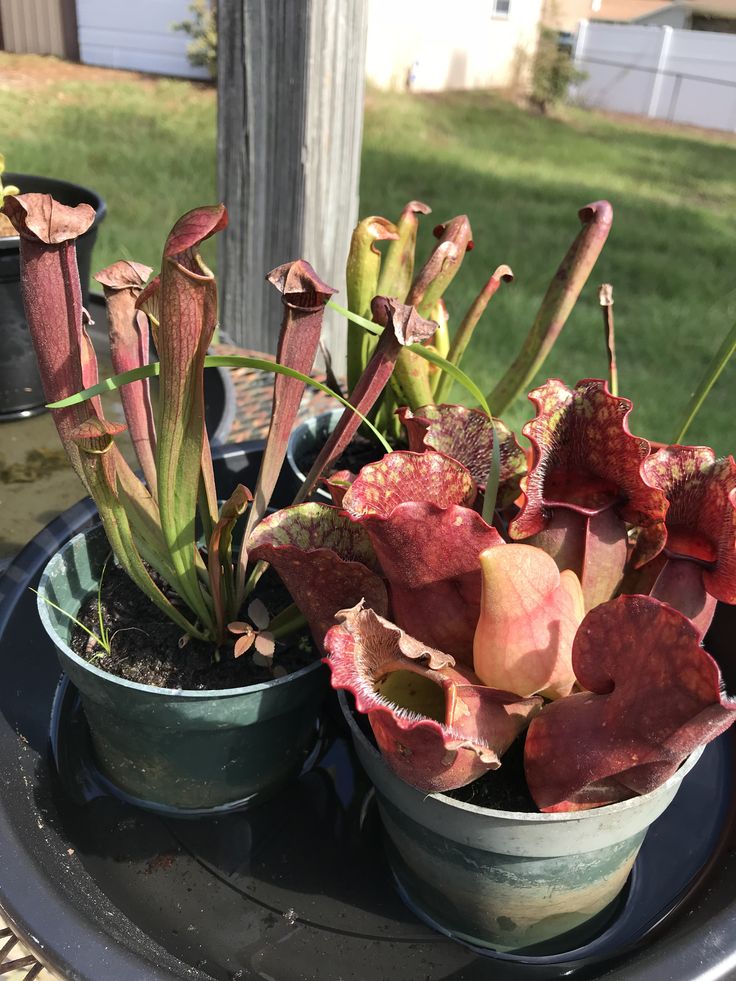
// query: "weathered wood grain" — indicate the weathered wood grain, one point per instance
point(291, 76)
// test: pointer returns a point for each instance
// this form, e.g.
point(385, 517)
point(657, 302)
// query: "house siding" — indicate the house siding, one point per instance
point(449, 46)
point(680, 75)
point(135, 34)
point(677, 16)
point(38, 27)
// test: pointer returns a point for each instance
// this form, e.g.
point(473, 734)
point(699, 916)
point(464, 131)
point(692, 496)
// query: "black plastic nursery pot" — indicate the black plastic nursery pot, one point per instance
point(297, 885)
point(20, 385)
point(306, 441)
point(219, 404)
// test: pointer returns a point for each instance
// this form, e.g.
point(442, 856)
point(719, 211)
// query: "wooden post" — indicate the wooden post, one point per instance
point(290, 116)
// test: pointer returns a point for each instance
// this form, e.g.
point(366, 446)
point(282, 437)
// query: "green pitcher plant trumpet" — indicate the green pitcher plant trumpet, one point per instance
point(415, 383)
point(466, 591)
point(157, 526)
point(169, 524)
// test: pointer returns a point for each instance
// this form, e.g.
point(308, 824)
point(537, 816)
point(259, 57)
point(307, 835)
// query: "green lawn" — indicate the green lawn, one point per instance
point(148, 147)
point(671, 254)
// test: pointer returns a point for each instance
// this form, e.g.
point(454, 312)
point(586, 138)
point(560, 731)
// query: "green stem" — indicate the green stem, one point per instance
point(430, 283)
point(605, 297)
point(361, 275)
point(397, 268)
point(412, 374)
point(494, 478)
point(558, 302)
point(489, 503)
point(710, 377)
point(91, 633)
point(468, 324)
point(288, 621)
point(257, 571)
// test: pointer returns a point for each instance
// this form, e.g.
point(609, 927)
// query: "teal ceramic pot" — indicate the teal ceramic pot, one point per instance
point(504, 879)
point(191, 750)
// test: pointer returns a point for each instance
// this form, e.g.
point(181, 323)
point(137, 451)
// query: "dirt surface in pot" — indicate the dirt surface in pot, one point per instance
point(360, 451)
point(503, 789)
point(144, 643)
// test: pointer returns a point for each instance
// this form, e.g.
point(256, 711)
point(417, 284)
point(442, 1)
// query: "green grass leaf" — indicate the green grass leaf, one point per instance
point(104, 644)
point(711, 375)
point(213, 361)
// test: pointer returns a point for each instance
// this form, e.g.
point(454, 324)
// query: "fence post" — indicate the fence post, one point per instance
point(579, 53)
point(664, 50)
point(290, 111)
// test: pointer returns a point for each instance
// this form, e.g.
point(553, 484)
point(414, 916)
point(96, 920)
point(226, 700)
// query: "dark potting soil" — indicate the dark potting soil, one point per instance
point(144, 643)
point(504, 789)
point(360, 451)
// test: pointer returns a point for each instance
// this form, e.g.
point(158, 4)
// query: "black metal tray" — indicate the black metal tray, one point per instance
point(296, 887)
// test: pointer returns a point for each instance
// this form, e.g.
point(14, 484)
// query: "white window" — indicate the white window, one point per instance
point(501, 8)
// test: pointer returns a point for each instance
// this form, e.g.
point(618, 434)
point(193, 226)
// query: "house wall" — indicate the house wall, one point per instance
point(457, 45)
point(680, 75)
point(675, 16)
point(135, 34)
point(444, 46)
point(565, 15)
point(38, 27)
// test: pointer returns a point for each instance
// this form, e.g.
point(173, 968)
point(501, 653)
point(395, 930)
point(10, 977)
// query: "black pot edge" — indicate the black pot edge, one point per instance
point(14, 415)
point(66, 924)
point(29, 401)
point(681, 959)
point(319, 492)
point(229, 405)
point(40, 909)
point(12, 241)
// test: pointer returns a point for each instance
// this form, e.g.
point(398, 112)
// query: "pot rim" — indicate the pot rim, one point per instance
point(517, 816)
point(15, 176)
point(297, 430)
point(186, 693)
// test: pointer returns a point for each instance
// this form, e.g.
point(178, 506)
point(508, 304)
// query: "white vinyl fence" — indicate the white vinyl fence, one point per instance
point(135, 34)
point(683, 76)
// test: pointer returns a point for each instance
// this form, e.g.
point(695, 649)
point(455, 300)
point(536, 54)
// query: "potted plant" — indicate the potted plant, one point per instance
point(421, 378)
point(523, 640)
point(21, 392)
point(179, 649)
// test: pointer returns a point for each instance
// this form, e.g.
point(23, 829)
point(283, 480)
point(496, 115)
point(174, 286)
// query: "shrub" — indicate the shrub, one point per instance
point(202, 28)
point(553, 71)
